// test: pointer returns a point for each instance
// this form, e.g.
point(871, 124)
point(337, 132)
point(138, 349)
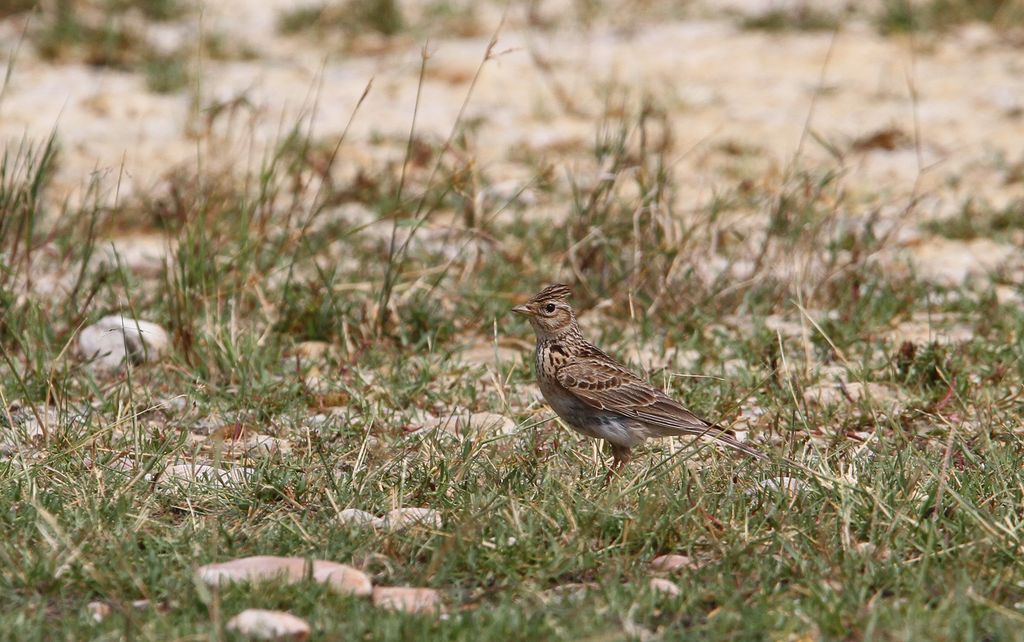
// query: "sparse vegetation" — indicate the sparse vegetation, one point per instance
point(981, 220)
point(381, 16)
point(804, 17)
point(347, 313)
point(908, 15)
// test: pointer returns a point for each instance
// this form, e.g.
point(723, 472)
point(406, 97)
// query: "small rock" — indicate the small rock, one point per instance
point(261, 624)
point(661, 585)
point(670, 563)
point(407, 599)
point(489, 423)
point(204, 474)
point(342, 578)
point(99, 611)
point(113, 339)
point(263, 445)
point(357, 517)
point(402, 518)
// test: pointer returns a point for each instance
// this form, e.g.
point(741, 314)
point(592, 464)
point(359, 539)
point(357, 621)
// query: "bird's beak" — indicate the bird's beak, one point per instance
point(521, 309)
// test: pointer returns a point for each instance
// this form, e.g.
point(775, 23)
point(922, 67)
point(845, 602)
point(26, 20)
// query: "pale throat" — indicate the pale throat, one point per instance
point(569, 331)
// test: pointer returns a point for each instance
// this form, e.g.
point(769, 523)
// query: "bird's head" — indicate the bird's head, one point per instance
point(549, 313)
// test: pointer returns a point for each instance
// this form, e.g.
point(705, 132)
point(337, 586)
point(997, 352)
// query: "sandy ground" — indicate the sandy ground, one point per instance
point(953, 106)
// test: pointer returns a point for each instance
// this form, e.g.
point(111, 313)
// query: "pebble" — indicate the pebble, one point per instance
point(260, 624)
point(114, 339)
point(342, 578)
point(407, 599)
point(402, 518)
point(358, 517)
point(661, 585)
point(670, 563)
point(395, 520)
point(185, 474)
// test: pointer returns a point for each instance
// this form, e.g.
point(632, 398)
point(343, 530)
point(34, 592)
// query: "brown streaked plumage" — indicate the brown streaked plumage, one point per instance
point(596, 395)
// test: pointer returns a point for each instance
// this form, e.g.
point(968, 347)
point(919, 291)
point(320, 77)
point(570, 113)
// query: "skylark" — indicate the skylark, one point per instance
point(597, 396)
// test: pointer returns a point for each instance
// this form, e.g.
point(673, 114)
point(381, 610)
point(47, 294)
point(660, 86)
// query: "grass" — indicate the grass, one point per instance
point(907, 525)
point(804, 17)
point(981, 220)
point(381, 16)
point(896, 16)
point(102, 34)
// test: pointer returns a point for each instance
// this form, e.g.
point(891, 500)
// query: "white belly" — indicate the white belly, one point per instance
point(592, 422)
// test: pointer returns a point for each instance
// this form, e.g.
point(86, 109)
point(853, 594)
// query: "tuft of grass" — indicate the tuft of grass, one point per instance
point(381, 16)
point(166, 74)
point(300, 19)
point(901, 16)
point(101, 39)
point(979, 220)
point(160, 10)
point(101, 34)
point(804, 17)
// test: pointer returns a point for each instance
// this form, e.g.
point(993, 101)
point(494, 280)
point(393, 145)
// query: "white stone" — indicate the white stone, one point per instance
point(110, 341)
point(193, 473)
point(407, 599)
point(341, 577)
point(661, 585)
point(402, 518)
point(357, 517)
point(260, 624)
point(670, 563)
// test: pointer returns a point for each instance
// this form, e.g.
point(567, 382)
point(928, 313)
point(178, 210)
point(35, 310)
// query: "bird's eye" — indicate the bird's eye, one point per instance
point(550, 308)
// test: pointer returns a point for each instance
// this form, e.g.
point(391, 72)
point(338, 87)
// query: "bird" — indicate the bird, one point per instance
point(599, 397)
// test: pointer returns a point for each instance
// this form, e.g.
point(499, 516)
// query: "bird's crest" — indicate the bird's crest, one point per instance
point(557, 292)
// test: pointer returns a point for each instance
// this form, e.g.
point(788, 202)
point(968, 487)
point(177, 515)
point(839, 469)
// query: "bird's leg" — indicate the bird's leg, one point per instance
point(620, 457)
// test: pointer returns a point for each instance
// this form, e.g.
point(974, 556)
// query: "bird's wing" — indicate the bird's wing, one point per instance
point(608, 386)
point(605, 385)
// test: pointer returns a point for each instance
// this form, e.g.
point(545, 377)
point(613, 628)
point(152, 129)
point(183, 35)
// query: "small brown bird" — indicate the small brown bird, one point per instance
point(597, 396)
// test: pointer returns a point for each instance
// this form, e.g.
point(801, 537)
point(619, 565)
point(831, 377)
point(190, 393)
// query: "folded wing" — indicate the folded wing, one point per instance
point(608, 386)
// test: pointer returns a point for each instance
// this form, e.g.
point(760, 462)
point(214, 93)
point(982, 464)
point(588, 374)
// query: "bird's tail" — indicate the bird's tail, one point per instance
point(725, 436)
